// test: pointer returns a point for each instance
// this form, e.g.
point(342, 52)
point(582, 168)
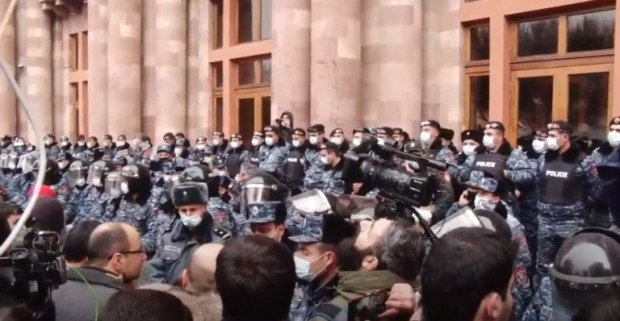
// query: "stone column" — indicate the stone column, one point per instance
point(196, 126)
point(171, 69)
point(8, 106)
point(124, 66)
point(290, 78)
point(336, 63)
point(149, 62)
point(391, 63)
point(204, 70)
point(60, 86)
point(98, 67)
point(34, 51)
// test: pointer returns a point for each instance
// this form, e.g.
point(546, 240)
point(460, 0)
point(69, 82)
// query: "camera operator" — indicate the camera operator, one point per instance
point(393, 256)
point(467, 276)
point(115, 257)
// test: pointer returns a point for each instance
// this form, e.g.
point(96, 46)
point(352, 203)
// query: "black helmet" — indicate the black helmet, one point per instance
point(202, 174)
point(190, 193)
point(586, 264)
point(263, 187)
point(165, 148)
point(52, 172)
point(78, 171)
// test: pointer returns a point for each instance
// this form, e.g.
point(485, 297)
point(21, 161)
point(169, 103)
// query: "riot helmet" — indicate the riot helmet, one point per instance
point(135, 178)
point(64, 160)
point(78, 172)
point(26, 162)
point(98, 172)
point(13, 160)
point(113, 184)
point(586, 264)
point(4, 160)
point(263, 187)
point(52, 172)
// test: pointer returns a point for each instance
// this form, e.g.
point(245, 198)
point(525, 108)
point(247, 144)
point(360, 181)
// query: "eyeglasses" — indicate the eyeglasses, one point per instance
point(138, 251)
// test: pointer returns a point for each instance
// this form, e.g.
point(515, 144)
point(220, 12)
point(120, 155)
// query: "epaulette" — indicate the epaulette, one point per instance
point(223, 234)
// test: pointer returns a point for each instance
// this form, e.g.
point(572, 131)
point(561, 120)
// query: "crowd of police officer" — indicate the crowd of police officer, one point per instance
point(547, 188)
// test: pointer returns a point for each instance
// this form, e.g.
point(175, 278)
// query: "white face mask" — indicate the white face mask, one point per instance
point(191, 221)
point(613, 138)
point(269, 141)
point(216, 141)
point(256, 141)
point(80, 182)
point(324, 160)
point(302, 268)
point(64, 144)
point(552, 143)
point(296, 143)
point(381, 141)
point(425, 137)
point(120, 143)
point(124, 188)
point(313, 140)
point(539, 146)
point(336, 140)
point(356, 141)
point(483, 203)
point(469, 150)
point(81, 144)
point(178, 152)
point(235, 144)
point(488, 141)
point(200, 146)
point(48, 142)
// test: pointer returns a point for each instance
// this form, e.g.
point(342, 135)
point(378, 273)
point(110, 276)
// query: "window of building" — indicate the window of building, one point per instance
point(478, 100)
point(254, 71)
point(254, 20)
point(479, 43)
point(538, 37)
point(591, 31)
point(217, 24)
point(588, 100)
point(78, 80)
point(217, 75)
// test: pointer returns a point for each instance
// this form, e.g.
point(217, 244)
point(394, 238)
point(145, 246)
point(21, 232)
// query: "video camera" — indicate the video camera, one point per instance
point(38, 268)
point(407, 189)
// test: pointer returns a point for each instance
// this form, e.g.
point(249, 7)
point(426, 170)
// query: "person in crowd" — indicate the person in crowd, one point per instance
point(11, 213)
point(317, 262)
point(257, 150)
point(75, 249)
point(65, 144)
point(255, 277)
point(446, 136)
point(274, 152)
point(93, 193)
point(357, 142)
point(484, 294)
point(121, 143)
point(192, 227)
point(51, 146)
point(333, 162)
point(400, 137)
point(235, 155)
point(219, 144)
point(80, 145)
point(78, 173)
point(314, 166)
point(337, 138)
point(295, 166)
point(267, 219)
point(197, 288)
point(394, 257)
point(115, 257)
point(286, 126)
point(147, 305)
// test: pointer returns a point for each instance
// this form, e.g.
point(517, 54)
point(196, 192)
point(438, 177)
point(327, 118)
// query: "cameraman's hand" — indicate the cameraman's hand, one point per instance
point(402, 301)
point(463, 201)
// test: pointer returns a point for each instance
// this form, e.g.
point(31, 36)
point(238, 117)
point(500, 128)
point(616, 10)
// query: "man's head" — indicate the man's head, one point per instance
point(471, 140)
point(337, 136)
point(75, 249)
point(391, 245)
point(199, 277)
point(267, 219)
point(145, 305)
point(330, 154)
point(539, 143)
point(493, 135)
point(299, 137)
point(358, 136)
point(613, 137)
point(429, 131)
point(117, 248)
point(236, 140)
point(467, 276)
point(11, 213)
point(191, 199)
point(255, 277)
point(488, 192)
point(316, 134)
point(272, 135)
point(559, 135)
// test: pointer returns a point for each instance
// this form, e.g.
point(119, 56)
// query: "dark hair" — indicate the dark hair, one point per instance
point(145, 305)
point(461, 269)
point(602, 307)
point(350, 257)
point(16, 313)
point(255, 276)
point(401, 250)
point(105, 240)
point(76, 244)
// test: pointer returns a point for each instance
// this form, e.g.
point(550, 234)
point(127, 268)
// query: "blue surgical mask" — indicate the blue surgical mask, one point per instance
point(191, 221)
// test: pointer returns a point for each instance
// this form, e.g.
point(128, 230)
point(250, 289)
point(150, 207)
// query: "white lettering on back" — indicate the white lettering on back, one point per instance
point(486, 164)
point(557, 174)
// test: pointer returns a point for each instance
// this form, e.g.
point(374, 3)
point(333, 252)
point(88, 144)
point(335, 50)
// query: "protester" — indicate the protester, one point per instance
point(146, 305)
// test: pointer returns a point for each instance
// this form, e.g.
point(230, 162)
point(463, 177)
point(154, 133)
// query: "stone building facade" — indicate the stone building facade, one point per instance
point(127, 66)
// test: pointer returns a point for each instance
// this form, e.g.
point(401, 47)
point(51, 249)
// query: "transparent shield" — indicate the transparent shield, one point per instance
point(356, 208)
point(113, 184)
point(463, 218)
point(4, 161)
point(313, 201)
point(95, 176)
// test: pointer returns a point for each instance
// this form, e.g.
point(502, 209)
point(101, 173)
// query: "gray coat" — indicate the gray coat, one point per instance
point(80, 300)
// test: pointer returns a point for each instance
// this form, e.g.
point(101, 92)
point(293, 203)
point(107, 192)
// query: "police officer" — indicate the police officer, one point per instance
point(163, 164)
point(471, 141)
point(80, 145)
point(314, 167)
point(295, 167)
point(337, 138)
point(133, 207)
point(90, 198)
point(446, 136)
point(192, 227)
point(333, 163)
point(51, 146)
point(609, 173)
point(219, 144)
point(256, 150)
point(78, 174)
point(267, 219)
point(109, 147)
point(400, 137)
point(235, 155)
point(65, 144)
point(121, 143)
point(585, 267)
point(357, 142)
point(201, 147)
point(566, 179)
point(274, 152)
point(432, 143)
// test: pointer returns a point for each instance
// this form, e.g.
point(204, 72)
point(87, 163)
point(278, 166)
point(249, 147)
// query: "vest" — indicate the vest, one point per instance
point(294, 167)
point(493, 164)
point(233, 163)
point(559, 184)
